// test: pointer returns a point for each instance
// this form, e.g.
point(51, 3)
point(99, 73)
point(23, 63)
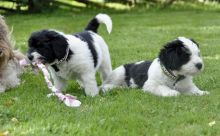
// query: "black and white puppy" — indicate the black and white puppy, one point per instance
point(76, 56)
point(168, 75)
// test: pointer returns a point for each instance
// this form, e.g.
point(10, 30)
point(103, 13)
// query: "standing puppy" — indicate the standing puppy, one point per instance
point(76, 56)
point(168, 75)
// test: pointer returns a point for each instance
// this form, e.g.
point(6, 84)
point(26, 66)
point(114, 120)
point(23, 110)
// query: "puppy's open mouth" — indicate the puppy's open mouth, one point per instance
point(41, 60)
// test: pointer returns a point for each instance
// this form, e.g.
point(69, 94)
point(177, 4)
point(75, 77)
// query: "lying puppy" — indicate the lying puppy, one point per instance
point(76, 56)
point(10, 69)
point(168, 75)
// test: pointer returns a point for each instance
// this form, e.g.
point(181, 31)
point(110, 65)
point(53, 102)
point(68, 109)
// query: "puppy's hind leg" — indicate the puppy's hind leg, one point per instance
point(106, 66)
point(105, 70)
point(115, 79)
point(90, 84)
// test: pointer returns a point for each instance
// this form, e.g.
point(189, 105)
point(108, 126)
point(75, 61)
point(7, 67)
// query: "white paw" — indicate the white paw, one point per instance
point(92, 93)
point(2, 89)
point(170, 93)
point(198, 92)
point(203, 93)
point(15, 83)
point(106, 88)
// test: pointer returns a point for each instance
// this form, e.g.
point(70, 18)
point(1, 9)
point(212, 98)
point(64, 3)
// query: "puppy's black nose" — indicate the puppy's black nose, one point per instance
point(199, 66)
point(30, 57)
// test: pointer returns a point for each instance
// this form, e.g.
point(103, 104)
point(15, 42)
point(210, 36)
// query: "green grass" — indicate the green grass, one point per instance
point(136, 36)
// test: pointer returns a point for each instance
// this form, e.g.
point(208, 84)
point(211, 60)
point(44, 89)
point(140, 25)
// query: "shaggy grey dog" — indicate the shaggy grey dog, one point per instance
point(10, 68)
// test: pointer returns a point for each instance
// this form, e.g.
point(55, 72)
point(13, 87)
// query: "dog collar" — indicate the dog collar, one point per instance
point(65, 57)
point(54, 66)
point(170, 74)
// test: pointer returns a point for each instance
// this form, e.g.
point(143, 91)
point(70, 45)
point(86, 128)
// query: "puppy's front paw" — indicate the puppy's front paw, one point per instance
point(92, 93)
point(106, 88)
point(170, 93)
point(15, 83)
point(204, 93)
point(2, 89)
point(199, 93)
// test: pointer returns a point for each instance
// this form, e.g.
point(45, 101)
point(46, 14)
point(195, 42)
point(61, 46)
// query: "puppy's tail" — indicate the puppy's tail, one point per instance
point(97, 20)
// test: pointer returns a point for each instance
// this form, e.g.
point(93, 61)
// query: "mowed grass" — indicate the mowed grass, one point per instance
point(25, 110)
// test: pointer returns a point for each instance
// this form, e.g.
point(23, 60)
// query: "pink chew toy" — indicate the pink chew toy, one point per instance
point(68, 99)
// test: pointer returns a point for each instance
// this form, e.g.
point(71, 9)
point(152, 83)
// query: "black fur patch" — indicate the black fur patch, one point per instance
point(50, 44)
point(55, 67)
point(86, 37)
point(138, 72)
point(127, 73)
point(93, 25)
point(174, 55)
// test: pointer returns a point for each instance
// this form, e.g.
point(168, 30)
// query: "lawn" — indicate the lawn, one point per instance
point(26, 111)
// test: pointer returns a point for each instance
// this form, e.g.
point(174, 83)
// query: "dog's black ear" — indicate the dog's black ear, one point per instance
point(58, 44)
point(183, 50)
point(173, 55)
point(36, 39)
point(39, 39)
point(173, 45)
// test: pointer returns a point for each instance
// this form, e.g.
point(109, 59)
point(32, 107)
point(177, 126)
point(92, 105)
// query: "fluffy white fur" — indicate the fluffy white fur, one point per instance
point(10, 69)
point(103, 18)
point(80, 66)
point(160, 84)
point(9, 77)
